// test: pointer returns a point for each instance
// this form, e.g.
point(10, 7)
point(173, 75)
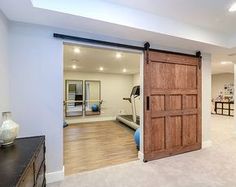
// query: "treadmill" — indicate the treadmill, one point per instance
point(133, 120)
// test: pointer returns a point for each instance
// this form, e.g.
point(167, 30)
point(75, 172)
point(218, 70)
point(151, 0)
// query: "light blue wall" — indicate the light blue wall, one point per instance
point(36, 70)
point(4, 76)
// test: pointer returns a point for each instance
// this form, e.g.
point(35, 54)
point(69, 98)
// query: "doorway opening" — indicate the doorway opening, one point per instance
point(222, 93)
point(103, 106)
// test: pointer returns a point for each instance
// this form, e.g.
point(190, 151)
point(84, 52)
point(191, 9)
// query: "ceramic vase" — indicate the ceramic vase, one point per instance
point(8, 130)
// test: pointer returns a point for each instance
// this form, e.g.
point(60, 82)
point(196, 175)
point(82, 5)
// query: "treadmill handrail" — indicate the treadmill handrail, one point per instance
point(127, 99)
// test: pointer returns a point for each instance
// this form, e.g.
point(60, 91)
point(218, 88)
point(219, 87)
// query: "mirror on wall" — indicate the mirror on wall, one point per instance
point(92, 97)
point(74, 98)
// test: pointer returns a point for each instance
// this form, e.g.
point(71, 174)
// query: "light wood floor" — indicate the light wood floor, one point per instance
point(90, 146)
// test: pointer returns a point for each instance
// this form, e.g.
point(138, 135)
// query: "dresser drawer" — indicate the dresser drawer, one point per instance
point(28, 178)
point(40, 180)
point(39, 160)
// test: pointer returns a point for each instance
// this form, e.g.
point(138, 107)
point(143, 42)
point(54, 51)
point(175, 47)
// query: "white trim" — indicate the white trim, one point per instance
point(206, 144)
point(141, 74)
point(55, 176)
point(101, 46)
point(140, 156)
point(89, 119)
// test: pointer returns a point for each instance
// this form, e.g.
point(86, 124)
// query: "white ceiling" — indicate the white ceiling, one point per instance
point(90, 59)
point(99, 16)
point(178, 25)
point(211, 14)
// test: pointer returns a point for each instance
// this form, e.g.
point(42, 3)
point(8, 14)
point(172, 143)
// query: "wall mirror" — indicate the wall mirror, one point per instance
point(92, 97)
point(74, 98)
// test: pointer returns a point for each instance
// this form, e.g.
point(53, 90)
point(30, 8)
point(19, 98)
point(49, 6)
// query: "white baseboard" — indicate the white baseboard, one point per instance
point(55, 176)
point(206, 144)
point(140, 156)
point(89, 119)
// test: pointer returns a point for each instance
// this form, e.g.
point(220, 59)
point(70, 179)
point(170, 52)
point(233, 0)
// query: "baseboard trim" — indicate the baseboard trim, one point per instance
point(89, 119)
point(206, 144)
point(55, 176)
point(140, 155)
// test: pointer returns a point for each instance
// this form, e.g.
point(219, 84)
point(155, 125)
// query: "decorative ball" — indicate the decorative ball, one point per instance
point(95, 108)
point(137, 137)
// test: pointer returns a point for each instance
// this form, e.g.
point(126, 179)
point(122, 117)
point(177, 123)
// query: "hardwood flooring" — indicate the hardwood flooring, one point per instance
point(90, 146)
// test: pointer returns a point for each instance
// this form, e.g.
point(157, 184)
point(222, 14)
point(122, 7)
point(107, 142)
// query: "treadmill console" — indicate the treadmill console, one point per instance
point(135, 91)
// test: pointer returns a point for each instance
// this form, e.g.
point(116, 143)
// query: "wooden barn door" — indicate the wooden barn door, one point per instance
point(172, 114)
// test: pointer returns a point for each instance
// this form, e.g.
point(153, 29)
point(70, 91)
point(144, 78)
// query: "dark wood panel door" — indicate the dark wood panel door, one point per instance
point(172, 115)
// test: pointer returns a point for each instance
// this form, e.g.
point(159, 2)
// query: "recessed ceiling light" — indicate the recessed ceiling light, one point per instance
point(74, 67)
point(76, 50)
point(101, 68)
point(232, 8)
point(226, 62)
point(124, 70)
point(118, 55)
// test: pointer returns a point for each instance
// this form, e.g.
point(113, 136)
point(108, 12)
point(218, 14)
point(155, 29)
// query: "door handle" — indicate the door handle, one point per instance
point(148, 102)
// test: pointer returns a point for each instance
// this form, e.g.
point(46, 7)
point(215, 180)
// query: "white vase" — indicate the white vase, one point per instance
point(8, 130)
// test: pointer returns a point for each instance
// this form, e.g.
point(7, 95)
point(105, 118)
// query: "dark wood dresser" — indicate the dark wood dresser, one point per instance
point(23, 164)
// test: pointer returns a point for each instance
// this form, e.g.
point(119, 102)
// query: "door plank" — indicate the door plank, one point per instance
point(173, 91)
point(158, 103)
point(190, 102)
point(174, 130)
point(172, 58)
point(158, 114)
point(158, 141)
point(189, 129)
point(174, 103)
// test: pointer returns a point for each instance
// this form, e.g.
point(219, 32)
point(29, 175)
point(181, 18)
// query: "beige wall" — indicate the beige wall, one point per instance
point(114, 87)
point(136, 82)
point(218, 82)
point(136, 79)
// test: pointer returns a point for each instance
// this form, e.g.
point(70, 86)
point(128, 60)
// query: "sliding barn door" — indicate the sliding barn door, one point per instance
point(172, 114)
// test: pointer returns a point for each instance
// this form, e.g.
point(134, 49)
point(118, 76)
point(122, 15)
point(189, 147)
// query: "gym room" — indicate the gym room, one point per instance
point(102, 100)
